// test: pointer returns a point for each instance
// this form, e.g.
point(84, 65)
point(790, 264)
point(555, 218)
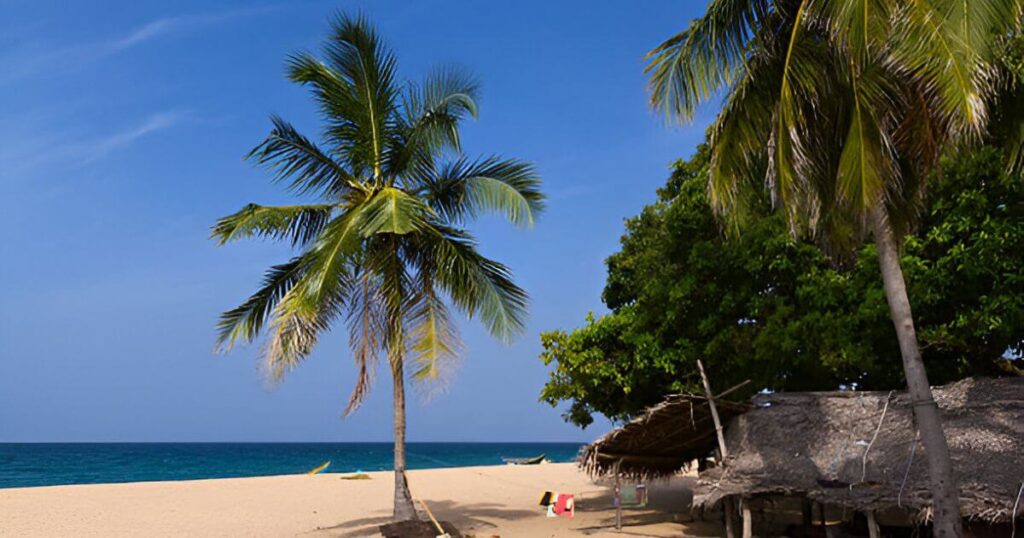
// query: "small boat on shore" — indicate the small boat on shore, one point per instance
point(319, 468)
point(525, 461)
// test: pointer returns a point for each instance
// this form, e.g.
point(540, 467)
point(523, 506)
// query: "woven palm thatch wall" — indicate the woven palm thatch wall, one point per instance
point(814, 445)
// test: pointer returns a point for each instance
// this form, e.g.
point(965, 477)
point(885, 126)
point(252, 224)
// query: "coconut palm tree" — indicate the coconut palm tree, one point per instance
point(842, 109)
point(382, 248)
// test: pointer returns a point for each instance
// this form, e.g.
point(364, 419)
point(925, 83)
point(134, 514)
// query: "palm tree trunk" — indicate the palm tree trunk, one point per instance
point(404, 509)
point(944, 489)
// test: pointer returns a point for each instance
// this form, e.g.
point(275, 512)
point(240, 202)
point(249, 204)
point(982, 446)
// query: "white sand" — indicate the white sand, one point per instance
point(484, 501)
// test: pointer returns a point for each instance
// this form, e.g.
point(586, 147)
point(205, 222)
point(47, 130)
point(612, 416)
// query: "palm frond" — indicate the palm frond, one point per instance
point(739, 138)
point(330, 258)
point(367, 335)
point(299, 224)
point(433, 338)
point(860, 27)
point(463, 189)
point(797, 84)
point(688, 68)
point(475, 284)
point(930, 45)
point(295, 329)
point(431, 116)
point(245, 322)
point(867, 166)
point(393, 211)
point(294, 158)
point(362, 117)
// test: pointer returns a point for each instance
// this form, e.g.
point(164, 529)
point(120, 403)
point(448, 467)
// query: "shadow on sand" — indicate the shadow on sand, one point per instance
point(467, 517)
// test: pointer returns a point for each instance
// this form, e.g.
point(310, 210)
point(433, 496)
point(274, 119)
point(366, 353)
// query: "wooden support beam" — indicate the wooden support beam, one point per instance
point(829, 531)
point(728, 507)
point(748, 519)
point(618, 498)
point(732, 389)
point(873, 530)
point(615, 456)
point(729, 512)
point(714, 413)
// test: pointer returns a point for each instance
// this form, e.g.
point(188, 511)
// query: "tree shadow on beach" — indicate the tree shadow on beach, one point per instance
point(466, 517)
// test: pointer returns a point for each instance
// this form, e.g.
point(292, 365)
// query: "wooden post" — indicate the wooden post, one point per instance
point(829, 532)
point(714, 414)
point(728, 508)
point(873, 529)
point(618, 498)
point(748, 520)
point(808, 513)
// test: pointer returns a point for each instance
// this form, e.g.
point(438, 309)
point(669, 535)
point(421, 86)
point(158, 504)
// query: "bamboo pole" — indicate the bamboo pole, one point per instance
point(433, 519)
point(714, 413)
point(723, 453)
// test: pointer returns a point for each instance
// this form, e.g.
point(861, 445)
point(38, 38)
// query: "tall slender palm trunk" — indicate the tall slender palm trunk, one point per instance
point(944, 488)
point(404, 508)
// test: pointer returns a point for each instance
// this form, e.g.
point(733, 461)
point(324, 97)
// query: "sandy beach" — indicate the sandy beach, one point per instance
point(481, 501)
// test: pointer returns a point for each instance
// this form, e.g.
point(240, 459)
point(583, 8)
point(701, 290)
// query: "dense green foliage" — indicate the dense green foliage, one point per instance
point(765, 307)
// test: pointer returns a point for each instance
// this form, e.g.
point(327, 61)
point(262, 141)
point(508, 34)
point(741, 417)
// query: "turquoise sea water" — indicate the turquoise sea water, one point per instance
point(48, 464)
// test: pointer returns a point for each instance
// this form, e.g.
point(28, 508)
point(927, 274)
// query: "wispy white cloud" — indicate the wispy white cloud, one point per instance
point(97, 148)
point(48, 151)
point(34, 59)
point(167, 25)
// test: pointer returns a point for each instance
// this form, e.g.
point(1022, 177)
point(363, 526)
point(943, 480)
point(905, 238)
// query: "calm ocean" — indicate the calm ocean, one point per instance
point(48, 464)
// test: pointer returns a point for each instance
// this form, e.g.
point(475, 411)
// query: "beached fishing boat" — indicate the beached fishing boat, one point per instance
point(524, 461)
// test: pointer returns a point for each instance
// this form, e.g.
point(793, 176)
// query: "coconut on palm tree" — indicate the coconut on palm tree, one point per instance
point(383, 249)
point(842, 108)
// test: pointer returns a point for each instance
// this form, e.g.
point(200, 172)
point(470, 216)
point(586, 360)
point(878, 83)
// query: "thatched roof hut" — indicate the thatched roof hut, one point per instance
point(665, 439)
point(823, 446)
point(819, 445)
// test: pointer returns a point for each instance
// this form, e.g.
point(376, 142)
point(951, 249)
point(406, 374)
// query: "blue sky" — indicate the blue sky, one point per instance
point(124, 126)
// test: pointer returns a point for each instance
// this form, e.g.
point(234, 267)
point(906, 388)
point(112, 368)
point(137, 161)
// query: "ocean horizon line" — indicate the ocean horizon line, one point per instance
point(68, 463)
point(286, 442)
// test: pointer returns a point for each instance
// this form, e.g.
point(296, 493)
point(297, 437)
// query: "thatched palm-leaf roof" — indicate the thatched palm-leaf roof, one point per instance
point(665, 439)
point(814, 444)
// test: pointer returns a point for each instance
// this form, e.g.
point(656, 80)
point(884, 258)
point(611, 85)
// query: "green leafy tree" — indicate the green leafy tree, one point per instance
point(777, 311)
point(383, 249)
point(845, 107)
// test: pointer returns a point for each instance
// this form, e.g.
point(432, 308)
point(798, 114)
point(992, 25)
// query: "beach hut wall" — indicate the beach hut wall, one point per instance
point(835, 448)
